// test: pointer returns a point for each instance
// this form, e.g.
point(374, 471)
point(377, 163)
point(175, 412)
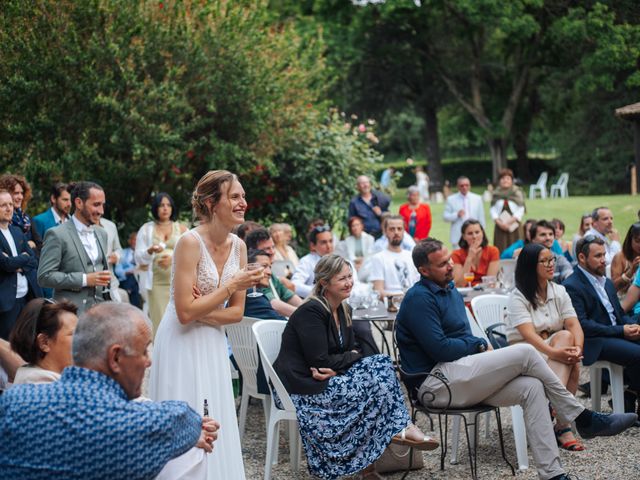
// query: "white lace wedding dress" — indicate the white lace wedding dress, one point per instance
point(191, 363)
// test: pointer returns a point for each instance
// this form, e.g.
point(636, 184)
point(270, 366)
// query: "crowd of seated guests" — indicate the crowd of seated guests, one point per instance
point(564, 305)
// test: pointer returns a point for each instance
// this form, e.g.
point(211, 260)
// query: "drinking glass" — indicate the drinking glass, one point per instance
point(397, 301)
point(248, 268)
point(468, 277)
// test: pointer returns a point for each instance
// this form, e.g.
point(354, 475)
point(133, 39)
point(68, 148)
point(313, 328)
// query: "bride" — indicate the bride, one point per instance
point(190, 359)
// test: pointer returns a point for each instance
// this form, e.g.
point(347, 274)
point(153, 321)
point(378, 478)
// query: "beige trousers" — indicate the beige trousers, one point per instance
point(515, 375)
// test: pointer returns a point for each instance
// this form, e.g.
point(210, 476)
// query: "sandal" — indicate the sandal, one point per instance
point(572, 445)
point(427, 443)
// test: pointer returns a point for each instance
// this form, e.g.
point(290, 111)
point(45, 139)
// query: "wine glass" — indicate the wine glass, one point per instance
point(397, 301)
point(248, 268)
point(468, 277)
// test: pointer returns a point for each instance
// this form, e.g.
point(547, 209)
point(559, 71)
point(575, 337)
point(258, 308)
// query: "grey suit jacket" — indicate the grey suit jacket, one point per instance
point(63, 261)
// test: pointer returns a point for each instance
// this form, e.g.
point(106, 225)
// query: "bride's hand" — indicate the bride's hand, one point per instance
point(195, 291)
point(244, 279)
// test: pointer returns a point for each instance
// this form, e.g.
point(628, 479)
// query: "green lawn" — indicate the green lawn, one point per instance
point(569, 210)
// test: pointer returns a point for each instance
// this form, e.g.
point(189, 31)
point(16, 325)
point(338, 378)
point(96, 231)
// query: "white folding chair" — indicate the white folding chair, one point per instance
point(245, 352)
point(478, 330)
point(560, 188)
point(490, 309)
point(539, 186)
point(268, 334)
point(617, 385)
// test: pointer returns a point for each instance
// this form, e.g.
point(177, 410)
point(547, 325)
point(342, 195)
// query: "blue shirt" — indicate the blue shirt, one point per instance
point(432, 327)
point(84, 427)
point(260, 307)
point(508, 252)
point(126, 264)
point(359, 208)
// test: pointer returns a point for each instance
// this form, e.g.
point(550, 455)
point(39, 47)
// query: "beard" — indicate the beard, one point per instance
point(395, 242)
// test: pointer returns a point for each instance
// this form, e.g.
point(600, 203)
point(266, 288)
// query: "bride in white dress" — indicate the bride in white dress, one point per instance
point(190, 359)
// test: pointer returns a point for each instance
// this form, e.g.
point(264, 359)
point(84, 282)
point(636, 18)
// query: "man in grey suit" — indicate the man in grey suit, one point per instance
point(462, 206)
point(73, 260)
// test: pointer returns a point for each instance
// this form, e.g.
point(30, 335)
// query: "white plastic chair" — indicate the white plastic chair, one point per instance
point(617, 385)
point(507, 273)
point(279, 268)
point(268, 334)
point(539, 186)
point(245, 352)
point(493, 315)
point(561, 187)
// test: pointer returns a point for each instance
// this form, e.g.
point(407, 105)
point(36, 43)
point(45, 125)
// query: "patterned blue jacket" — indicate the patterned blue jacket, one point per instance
point(85, 427)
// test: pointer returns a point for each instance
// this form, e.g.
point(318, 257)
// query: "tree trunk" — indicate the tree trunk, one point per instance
point(497, 146)
point(521, 147)
point(432, 142)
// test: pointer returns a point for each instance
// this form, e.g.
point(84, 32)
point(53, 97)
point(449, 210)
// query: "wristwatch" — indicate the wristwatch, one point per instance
point(482, 347)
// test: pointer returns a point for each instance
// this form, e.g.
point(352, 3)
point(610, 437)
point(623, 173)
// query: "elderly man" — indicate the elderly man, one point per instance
point(86, 422)
point(462, 206)
point(602, 227)
point(369, 206)
point(609, 333)
point(434, 337)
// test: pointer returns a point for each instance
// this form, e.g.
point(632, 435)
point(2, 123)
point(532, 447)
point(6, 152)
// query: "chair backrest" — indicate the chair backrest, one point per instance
point(542, 179)
point(490, 309)
point(245, 350)
point(476, 329)
point(507, 272)
point(279, 268)
point(563, 180)
point(268, 335)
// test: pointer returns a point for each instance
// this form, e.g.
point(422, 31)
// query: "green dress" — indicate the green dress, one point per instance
point(159, 292)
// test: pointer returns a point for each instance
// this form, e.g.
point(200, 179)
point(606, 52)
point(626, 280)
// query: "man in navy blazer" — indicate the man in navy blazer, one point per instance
point(609, 334)
point(18, 266)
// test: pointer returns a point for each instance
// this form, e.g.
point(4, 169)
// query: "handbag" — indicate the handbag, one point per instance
point(396, 458)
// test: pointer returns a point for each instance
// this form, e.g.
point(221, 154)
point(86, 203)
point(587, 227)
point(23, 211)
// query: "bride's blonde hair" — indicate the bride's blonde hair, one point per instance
point(209, 187)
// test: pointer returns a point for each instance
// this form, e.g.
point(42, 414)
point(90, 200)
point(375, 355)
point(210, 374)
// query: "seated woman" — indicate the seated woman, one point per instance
point(358, 246)
point(625, 263)
point(474, 255)
point(42, 337)
point(565, 246)
point(540, 313)
point(349, 407)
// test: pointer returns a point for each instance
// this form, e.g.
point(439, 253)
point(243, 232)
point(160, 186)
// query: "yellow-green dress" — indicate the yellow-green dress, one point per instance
point(159, 292)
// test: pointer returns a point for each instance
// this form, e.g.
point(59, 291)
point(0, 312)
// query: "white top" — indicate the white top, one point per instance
point(549, 316)
point(395, 268)
point(304, 277)
point(516, 210)
point(59, 220)
point(473, 207)
point(598, 284)
point(347, 247)
point(22, 287)
point(611, 246)
point(34, 374)
point(144, 240)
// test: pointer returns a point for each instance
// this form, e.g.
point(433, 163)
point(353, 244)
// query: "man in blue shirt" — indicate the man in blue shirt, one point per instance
point(434, 337)
point(369, 206)
point(85, 425)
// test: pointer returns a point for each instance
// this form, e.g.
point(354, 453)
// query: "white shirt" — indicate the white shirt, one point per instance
point(304, 277)
point(22, 286)
point(611, 246)
point(473, 207)
point(395, 268)
point(381, 244)
point(89, 242)
point(598, 284)
point(59, 220)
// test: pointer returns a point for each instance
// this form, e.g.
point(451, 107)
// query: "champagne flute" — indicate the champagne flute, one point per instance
point(468, 277)
point(249, 267)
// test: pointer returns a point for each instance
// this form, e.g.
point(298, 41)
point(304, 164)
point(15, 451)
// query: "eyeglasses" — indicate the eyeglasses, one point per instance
point(321, 228)
point(548, 262)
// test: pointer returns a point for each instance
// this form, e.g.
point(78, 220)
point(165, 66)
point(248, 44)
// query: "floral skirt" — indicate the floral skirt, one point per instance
point(348, 426)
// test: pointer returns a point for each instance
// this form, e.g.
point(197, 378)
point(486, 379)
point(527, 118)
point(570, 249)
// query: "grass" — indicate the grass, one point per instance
point(569, 210)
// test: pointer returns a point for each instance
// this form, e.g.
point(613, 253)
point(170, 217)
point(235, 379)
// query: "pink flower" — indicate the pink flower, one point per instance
point(362, 128)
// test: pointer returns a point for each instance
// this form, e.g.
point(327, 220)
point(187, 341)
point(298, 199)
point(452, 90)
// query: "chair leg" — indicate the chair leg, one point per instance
point(471, 450)
point(504, 454)
point(294, 445)
point(595, 375)
point(487, 424)
point(272, 440)
point(266, 406)
point(617, 388)
point(244, 404)
point(520, 437)
point(455, 440)
point(443, 443)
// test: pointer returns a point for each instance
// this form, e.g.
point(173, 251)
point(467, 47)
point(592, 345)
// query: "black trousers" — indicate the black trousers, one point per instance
point(8, 318)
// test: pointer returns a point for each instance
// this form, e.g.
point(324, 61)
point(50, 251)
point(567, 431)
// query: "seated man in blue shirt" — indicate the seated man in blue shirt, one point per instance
point(85, 425)
point(261, 307)
point(434, 337)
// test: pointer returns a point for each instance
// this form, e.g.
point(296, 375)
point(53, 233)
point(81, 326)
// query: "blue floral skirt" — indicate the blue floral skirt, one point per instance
point(348, 426)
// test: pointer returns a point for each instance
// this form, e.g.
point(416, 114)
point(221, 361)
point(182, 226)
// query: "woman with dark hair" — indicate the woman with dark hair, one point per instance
point(42, 337)
point(475, 255)
point(20, 191)
point(507, 210)
point(349, 407)
point(540, 313)
point(154, 251)
point(566, 247)
point(625, 263)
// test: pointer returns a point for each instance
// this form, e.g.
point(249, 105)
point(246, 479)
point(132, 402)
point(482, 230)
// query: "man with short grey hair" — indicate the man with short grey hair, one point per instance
point(86, 422)
point(602, 227)
point(462, 206)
